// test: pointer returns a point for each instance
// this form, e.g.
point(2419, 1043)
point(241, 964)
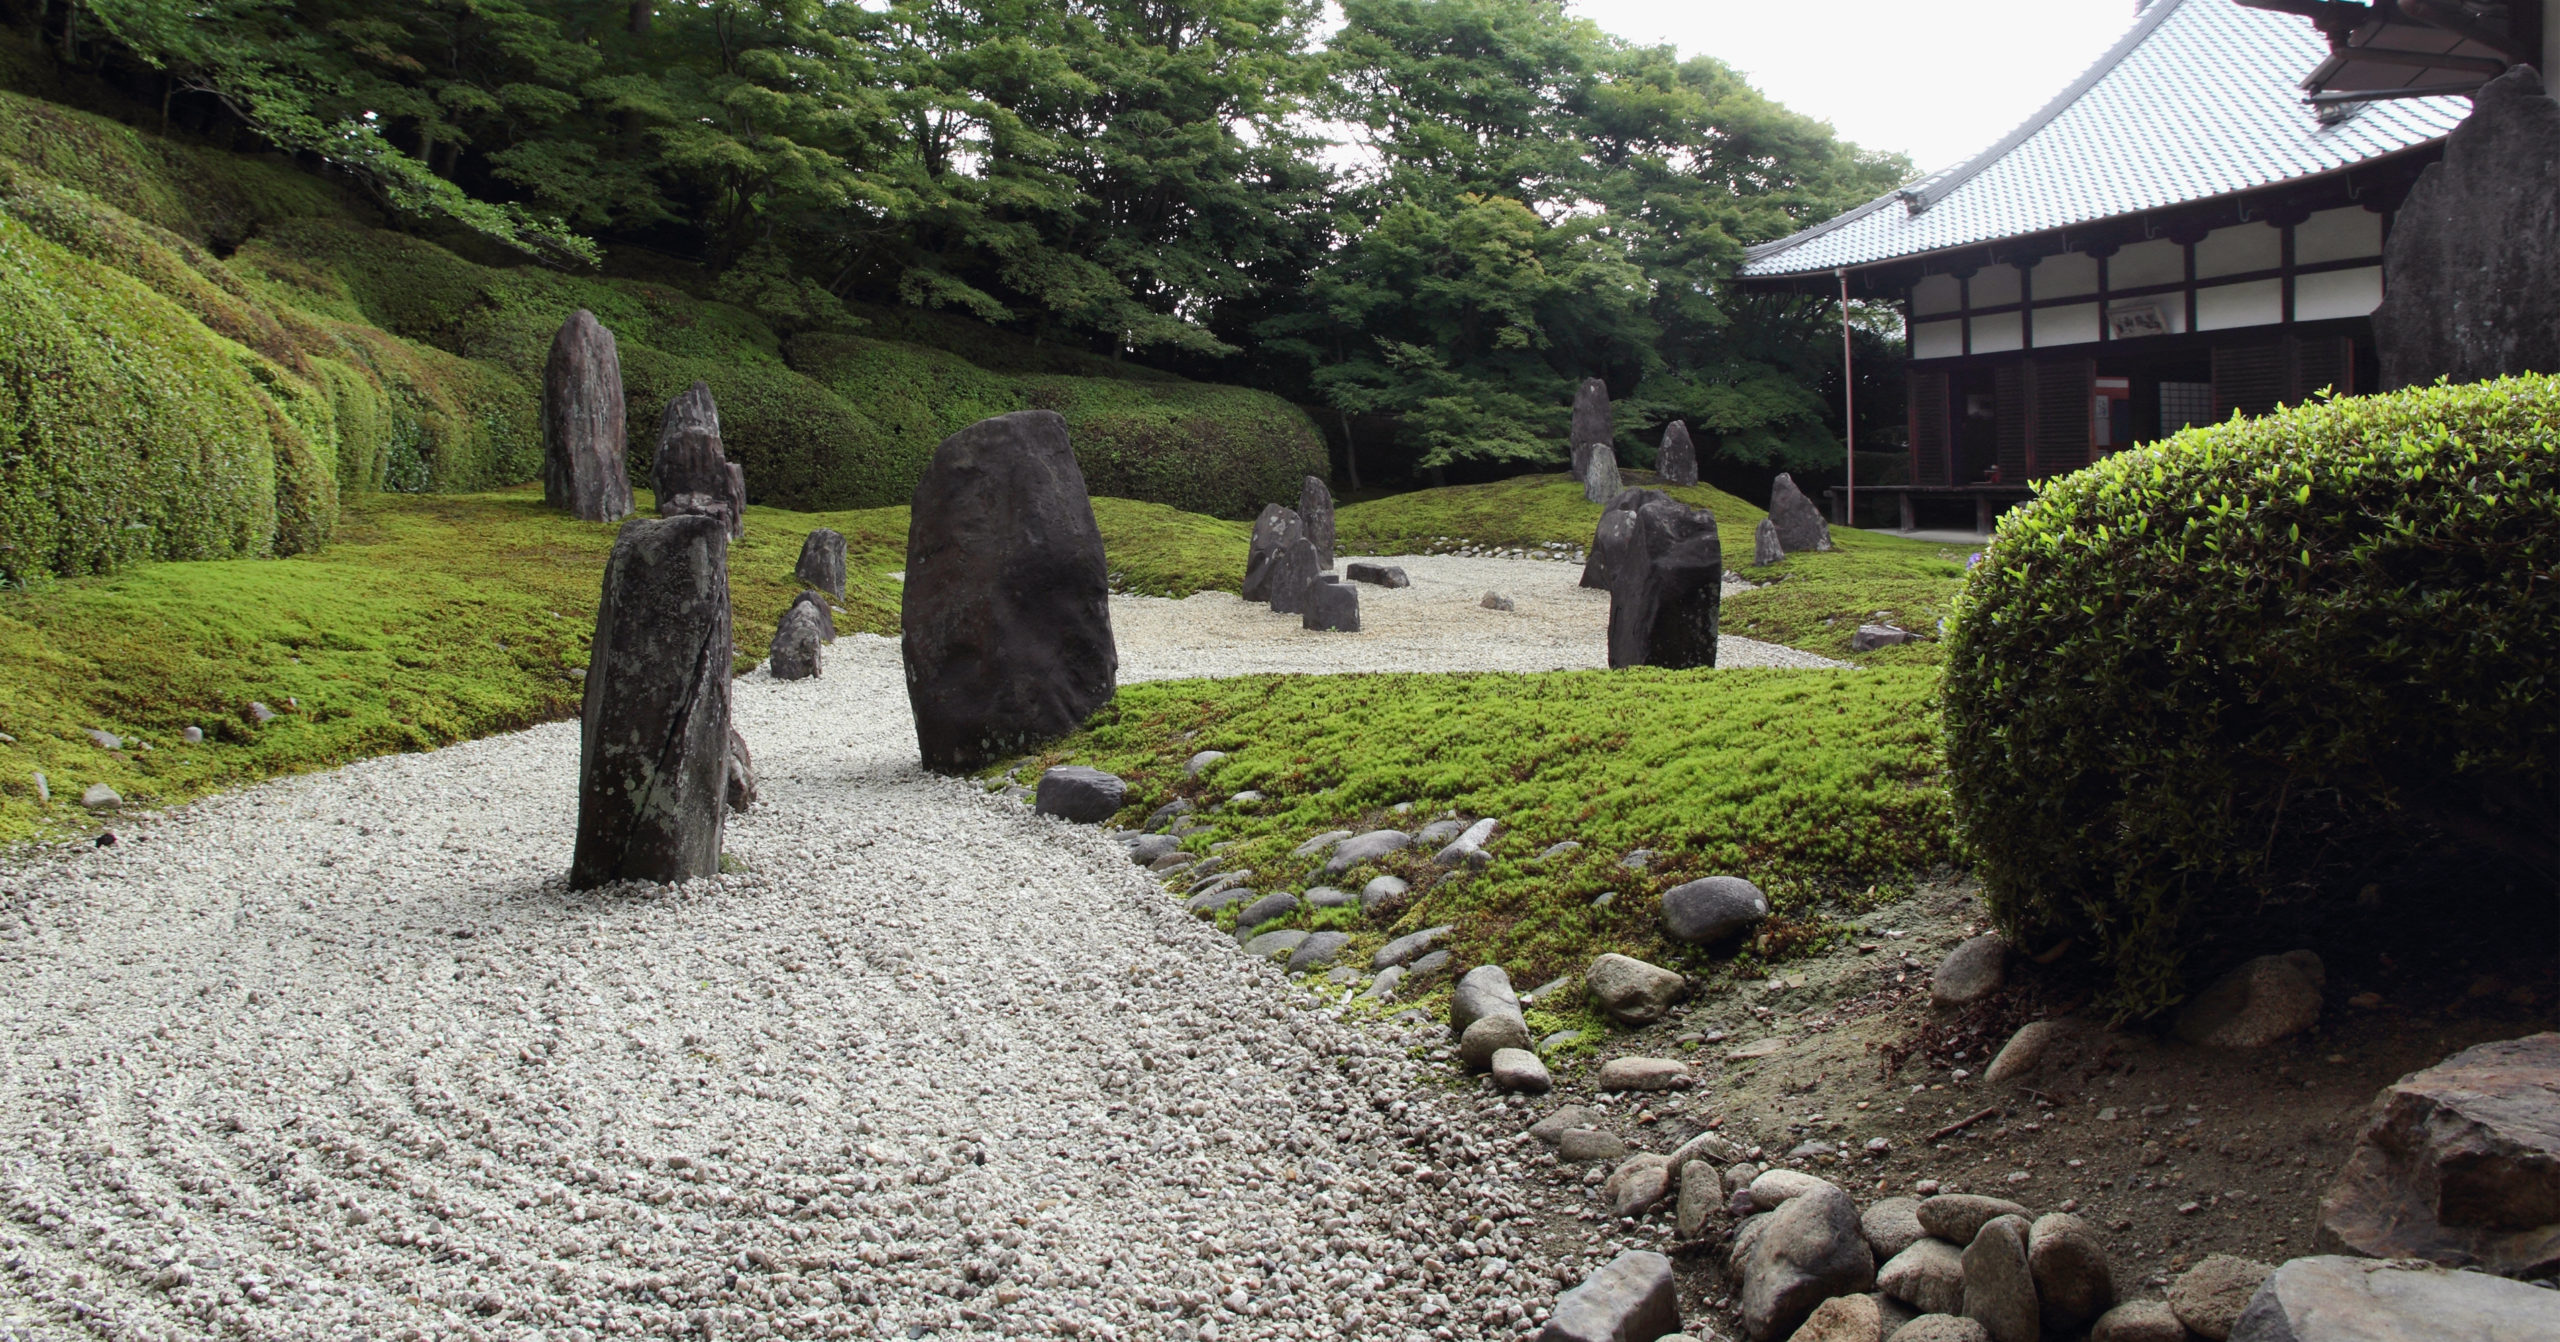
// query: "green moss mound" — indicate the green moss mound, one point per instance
point(2206, 680)
point(1817, 785)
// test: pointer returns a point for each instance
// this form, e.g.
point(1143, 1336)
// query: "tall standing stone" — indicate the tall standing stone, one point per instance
point(822, 562)
point(1665, 594)
point(1590, 422)
point(653, 755)
point(1677, 462)
point(1616, 531)
point(1315, 514)
point(1600, 481)
point(583, 433)
point(1007, 607)
point(1276, 527)
point(690, 472)
point(1800, 525)
point(1293, 571)
point(1765, 547)
point(2471, 274)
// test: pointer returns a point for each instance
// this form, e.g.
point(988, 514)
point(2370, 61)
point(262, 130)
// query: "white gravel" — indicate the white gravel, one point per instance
point(341, 1056)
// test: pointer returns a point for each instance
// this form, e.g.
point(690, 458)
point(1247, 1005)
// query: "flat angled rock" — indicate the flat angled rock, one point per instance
point(2459, 1164)
point(1405, 949)
point(1633, 1299)
point(1377, 575)
point(1799, 522)
point(1319, 950)
point(2337, 1299)
point(1083, 795)
point(1641, 1074)
point(1270, 944)
point(1368, 847)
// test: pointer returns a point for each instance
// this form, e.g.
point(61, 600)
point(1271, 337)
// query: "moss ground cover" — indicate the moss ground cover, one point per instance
point(1809, 601)
point(1817, 785)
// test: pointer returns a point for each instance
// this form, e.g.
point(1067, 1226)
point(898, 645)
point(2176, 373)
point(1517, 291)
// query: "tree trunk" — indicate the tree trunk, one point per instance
point(1350, 458)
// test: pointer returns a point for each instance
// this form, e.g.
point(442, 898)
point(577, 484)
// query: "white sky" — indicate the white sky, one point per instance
point(1937, 81)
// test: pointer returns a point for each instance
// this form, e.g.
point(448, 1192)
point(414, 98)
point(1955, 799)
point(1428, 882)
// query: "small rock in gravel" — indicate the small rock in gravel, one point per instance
point(1317, 951)
point(1554, 1126)
point(1085, 796)
point(1772, 1189)
point(2139, 1321)
point(2026, 1050)
point(1642, 1074)
point(2074, 1282)
point(1843, 1318)
point(1999, 1288)
point(1320, 843)
point(1637, 1184)
point(1892, 1225)
point(1557, 850)
point(1380, 575)
point(820, 611)
point(1496, 601)
point(1715, 909)
point(1384, 985)
point(1148, 849)
point(1468, 847)
point(742, 772)
point(1368, 847)
point(1194, 766)
point(1972, 971)
point(193, 736)
point(1633, 1299)
point(1277, 904)
point(1958, 1217)
point(2267, 999)
point(2208, 1297)
point(100, 797)
point(1804, 1253)
point(1409, 947)
point(1270, 944)
point(104, 739)
point(1486, 990)
point(1937, 1327)
point(1520, 1071)
point(1580, 1144)
point(1428, 965)
point(1379, 890)
point(1326, 897)
point(1929, 1273)
point(1489, 1035)
point(1632, 992)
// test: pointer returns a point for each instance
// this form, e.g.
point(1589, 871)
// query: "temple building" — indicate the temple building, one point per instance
point(2193, 227)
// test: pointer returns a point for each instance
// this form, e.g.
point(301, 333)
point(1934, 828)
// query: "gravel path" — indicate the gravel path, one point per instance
point(340, 1056)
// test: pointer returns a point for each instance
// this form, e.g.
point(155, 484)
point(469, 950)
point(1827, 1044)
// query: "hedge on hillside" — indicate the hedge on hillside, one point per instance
point(2209, 684)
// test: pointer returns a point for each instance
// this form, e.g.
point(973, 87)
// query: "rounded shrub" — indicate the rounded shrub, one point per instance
point(2213, 684)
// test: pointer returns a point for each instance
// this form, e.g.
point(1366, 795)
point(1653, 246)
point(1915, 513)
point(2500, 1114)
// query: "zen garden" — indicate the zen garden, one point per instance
point(1220, 670)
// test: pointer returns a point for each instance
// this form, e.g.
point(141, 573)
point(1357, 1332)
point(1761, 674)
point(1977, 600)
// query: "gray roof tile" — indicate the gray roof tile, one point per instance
point(2201, 98)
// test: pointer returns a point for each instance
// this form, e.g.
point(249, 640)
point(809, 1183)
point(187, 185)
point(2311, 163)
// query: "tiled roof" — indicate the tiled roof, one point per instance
point(2200, 98)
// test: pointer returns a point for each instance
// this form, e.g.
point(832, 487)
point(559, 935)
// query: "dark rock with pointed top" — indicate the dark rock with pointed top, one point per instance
point(584, 435)
point(1799, 523)
point(2471, 285)
point(1007, 607)
point(1333, 606)
point(1277, 526)
point(1665, 593)
point(816, 603)
point(1293, 571)
point(653, 758)
point(1590, 422)
point(822, 562)
point(1677, 462)
point(1766, 549)
point(1600, 482)
point(1315, 517)
point(1609, 539)
point(690, 472)
point(794, 651)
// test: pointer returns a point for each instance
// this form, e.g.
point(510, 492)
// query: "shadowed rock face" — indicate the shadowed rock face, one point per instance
point(1273, 530)
point(1610, 539)
point(1590, 422)
point(1600, 482)
point(1666, 589)
point(1293, 571)
point(583, 433)
point(1007, 608)
point(822, 562)
point(690, 472)
point(1677, 462)
point(653, 758)
point(2472, 270)
point(1799, 523)
point(2459, 1164)
point(1315, 516)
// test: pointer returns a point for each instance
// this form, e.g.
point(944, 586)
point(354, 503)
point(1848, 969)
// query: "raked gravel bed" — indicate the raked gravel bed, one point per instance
point(341, 1056)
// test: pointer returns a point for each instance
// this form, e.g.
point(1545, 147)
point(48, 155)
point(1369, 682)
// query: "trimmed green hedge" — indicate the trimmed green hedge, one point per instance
point(2207, 684)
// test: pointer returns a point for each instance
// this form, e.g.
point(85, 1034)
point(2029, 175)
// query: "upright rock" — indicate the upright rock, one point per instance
point(1765, 549)
point(690, 472)
point(742, 772)
point(653, 753)
point(2459, 1164)
point(822, 562)
point(1664, 597)
point(1007, 608)
point(1293, 571)
point(584, 437)
point(1600, 481)
point(1332, 606)
point(1273, 530)
point(1807, 1251)
point(794, 652)
point(1800, 525)
point(1590, 422)
point(2472, 270)
point(815, 602)
point(1677, 462)
point(1610, 540)
point(1999, 1286)
point(1315, 516)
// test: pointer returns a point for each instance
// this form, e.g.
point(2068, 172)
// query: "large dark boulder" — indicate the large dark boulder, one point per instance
point(1666, 588)
point(822, 562)
point(653, 755)
point(1590, 422)
point(583, 431)
point(1800, 525)
point(1610, 539)
point(1333, 606)
point(2459, 1164)
point(2472, 271)
point(1677, 462)
point(1007, 608)
point(690, 472)
point(1293, 571)
point(796, 638)
point(1315, 515)
point(1277, 526)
